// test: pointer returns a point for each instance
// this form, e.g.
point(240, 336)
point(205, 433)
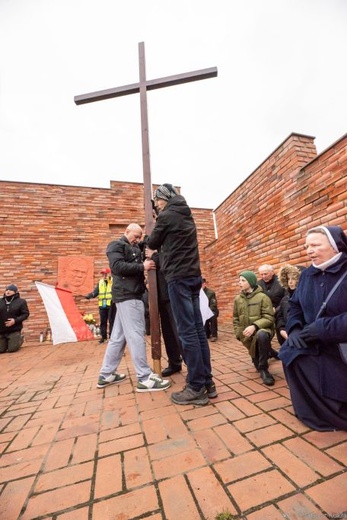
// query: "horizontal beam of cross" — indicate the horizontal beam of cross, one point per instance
point(151, 84)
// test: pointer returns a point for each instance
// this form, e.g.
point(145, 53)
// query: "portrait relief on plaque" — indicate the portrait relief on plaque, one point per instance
point(76, 273)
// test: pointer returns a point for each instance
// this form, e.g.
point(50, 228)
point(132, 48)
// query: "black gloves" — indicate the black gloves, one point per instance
point(295, 340)
point(310, 333)
point(298, 338)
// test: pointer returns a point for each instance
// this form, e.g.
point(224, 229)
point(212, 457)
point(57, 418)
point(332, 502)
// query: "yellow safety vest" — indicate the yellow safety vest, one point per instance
point(105, 292)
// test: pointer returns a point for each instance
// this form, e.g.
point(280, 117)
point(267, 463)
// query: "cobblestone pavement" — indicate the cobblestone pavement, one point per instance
point(71, 451)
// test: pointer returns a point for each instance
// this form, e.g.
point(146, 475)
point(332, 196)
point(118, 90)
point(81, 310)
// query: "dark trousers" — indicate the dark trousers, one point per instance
point(107, 315)
point(168, 327)
point(11, 342)
point(185, 303)
point(263, 349)
point(211, 327)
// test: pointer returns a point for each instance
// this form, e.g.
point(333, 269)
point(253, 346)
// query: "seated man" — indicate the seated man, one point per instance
point(13, 311)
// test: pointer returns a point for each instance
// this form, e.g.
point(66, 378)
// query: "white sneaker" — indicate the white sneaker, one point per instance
point(110, 380)
point(154, 383)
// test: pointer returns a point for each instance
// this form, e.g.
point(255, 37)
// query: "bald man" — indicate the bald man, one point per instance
point(128, 269)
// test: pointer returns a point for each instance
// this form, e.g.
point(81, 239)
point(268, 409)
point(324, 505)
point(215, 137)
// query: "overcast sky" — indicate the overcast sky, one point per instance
point(281, 69)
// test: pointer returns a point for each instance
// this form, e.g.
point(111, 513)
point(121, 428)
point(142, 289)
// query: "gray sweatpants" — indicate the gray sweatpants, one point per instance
point(128, 328)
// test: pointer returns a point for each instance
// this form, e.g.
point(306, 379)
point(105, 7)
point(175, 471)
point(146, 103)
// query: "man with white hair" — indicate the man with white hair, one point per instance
point(271, 286)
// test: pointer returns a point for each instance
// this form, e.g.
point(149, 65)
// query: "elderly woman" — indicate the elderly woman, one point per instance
point(315, 370)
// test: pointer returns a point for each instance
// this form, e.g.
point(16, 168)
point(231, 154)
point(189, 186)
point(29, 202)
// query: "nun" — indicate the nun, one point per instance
point(313, 358)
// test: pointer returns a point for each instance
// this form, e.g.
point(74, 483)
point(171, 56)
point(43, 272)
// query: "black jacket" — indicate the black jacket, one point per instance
point(174, 234)
point(273, 289)
point(127, 270)
point(17, 308)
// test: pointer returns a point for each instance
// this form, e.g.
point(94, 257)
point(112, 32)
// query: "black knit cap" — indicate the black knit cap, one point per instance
point(165, 192)
point(12, 287)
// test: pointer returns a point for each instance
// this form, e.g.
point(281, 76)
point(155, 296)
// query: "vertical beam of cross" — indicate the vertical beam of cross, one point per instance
point(142, 87)
point(147, 184)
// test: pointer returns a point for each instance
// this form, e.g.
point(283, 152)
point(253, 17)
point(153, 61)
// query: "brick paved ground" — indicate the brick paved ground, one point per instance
point(73, 452)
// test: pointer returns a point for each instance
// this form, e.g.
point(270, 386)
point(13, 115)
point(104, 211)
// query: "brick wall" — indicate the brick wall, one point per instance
point(42, 222)
point(266, 218)
point(263, 221)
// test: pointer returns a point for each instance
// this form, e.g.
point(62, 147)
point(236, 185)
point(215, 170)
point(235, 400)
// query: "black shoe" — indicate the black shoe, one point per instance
point(211, 390)
point(168, 371)
point(267, 377)
point(102, 340)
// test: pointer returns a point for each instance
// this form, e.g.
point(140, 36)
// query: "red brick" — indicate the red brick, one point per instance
point(175, 508)
point(178, 463)
point(13, 497)
point(64, 477)
point(57, 500)
point(325, 495)
point(312, 456)
point(260, 489)
point(211, 446)
point(137, 469)
point(233, 440)
point(108, 476)
point(290, 465)
point(141, 502)
point(299, 506)
point(59, 455)
point(84, 448)
point(242, 466)
point(211, 496)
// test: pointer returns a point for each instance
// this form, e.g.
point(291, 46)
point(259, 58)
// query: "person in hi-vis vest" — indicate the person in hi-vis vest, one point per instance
point(106, 309)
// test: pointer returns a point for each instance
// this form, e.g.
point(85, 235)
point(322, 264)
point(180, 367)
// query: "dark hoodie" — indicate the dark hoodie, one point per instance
point(17, 308)
point(175, 236)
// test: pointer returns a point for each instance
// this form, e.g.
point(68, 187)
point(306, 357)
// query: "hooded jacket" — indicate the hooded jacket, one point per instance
point(253, 308)
point(174, 234)
point(17, 308)
point(282, 310)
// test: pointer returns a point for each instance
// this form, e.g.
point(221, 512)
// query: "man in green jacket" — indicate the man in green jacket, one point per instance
point(211, 325)
point(254, 321)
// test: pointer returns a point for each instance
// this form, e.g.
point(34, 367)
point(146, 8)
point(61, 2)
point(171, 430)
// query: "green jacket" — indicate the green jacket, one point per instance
point(253, 308)
point(212, 300)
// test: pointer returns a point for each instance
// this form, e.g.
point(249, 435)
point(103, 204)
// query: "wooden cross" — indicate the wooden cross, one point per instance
point(141, 87)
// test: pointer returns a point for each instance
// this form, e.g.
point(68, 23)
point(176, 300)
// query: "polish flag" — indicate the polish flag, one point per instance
point(66, 322)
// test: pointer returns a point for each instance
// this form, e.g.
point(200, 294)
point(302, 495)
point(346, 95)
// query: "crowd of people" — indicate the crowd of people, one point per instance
point(304, 309)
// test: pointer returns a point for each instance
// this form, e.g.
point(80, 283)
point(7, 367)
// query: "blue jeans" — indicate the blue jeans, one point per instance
point(184, 296)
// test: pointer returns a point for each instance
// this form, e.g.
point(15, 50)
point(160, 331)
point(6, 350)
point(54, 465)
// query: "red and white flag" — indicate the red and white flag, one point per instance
point(65, 319)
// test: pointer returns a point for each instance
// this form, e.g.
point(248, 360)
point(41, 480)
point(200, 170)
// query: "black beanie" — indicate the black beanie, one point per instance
point(165, 192)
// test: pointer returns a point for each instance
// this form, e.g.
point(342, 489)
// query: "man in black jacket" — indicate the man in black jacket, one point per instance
point(127, 267)
point(271, 286)
point(174, 234)
point(13, 311)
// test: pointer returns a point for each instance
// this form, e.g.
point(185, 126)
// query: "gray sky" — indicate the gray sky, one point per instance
point(281, 69)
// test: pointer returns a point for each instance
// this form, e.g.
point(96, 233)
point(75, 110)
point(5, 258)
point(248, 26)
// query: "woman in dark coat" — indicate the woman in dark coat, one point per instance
point(315, 370)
